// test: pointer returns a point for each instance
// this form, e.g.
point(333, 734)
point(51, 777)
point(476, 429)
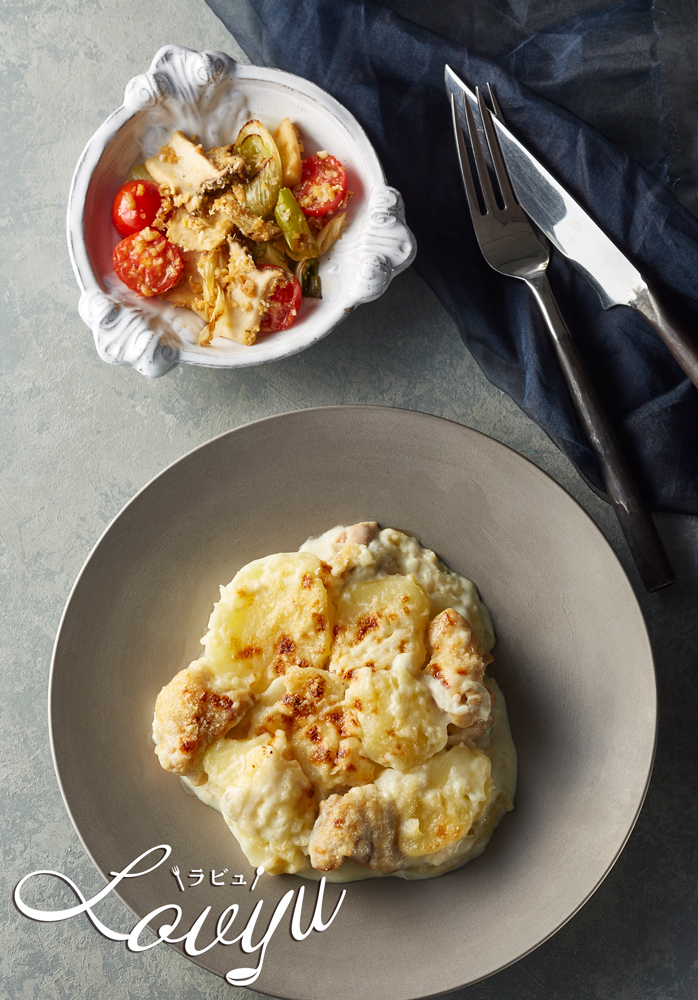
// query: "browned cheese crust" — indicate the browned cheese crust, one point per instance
point(190, 713)
point(455, 673)
point(322, 730)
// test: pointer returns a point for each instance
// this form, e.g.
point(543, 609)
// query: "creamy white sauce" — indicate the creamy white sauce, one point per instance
point(389, 553)
point(498, 744)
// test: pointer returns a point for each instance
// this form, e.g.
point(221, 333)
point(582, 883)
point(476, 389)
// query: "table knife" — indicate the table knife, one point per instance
point(575, 234)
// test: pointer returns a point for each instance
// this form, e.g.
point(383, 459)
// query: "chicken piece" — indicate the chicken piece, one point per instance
point(345, 562)
point(192, 711)
point(240, 262)
point(455, 673)
point(362, 533)
point(198, 232)
point(232, 165)
point(240, 306)
point(350, 550)
point(361, 825)
point(345, 553)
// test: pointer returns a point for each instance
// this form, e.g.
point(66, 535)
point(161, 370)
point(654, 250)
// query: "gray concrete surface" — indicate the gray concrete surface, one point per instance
point(79, 438)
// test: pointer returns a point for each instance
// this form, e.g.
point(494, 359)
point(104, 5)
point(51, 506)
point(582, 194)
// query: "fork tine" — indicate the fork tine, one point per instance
point(480, 162)
point(465, 170)
point(495, 103)
point(495, 152)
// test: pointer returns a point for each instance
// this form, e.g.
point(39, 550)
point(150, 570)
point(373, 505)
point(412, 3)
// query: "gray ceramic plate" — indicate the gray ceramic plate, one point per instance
point(572, 657)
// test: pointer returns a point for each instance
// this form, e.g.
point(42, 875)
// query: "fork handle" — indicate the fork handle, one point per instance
point(635, 520)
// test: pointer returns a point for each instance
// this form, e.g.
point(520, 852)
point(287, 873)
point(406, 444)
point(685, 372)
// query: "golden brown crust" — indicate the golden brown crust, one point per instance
point(455, 673)
point(191, 712)
point(322, 730)
point(354, 690)
point(361, 825)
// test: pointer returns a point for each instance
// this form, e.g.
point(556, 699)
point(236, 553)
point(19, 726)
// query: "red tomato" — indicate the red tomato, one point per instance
point(284, 303)
point(147, 263)
point(135, 206)
point(322, 187)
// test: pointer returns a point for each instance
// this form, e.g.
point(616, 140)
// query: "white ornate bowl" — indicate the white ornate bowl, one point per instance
point(210, 95)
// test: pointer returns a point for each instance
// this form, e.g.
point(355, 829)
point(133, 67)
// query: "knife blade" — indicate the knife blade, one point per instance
point(575, 234)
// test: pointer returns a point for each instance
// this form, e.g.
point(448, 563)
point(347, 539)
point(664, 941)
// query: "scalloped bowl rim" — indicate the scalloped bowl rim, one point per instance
point(291, 341)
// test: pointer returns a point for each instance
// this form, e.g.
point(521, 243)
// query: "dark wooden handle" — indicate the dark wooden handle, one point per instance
point(681, 346)
point(635, 520)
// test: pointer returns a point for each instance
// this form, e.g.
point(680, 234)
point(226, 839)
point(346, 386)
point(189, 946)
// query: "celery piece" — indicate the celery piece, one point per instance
point(267, 253)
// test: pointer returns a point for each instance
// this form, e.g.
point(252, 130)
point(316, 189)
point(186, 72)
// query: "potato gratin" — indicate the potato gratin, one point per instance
point(341, 718)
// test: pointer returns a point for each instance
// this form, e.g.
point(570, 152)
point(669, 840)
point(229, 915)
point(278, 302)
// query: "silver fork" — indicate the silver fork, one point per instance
point(511, 245)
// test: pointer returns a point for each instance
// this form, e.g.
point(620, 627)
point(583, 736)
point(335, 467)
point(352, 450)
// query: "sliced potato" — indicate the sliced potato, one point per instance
point(286, 139)
point(188, 290)
point(240, 308)
point(298, 695)
point(275, 614)
point(377, 622)
point(401, 723)
point(329, 750)
point(439, 801)
point(224, 761)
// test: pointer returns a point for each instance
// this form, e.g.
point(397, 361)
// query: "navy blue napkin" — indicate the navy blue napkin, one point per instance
point(389, 71)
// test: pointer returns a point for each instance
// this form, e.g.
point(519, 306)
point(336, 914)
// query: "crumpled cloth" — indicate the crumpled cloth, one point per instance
point(388, 70)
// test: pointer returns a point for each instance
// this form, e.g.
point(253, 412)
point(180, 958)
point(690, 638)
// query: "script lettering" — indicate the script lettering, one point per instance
point(242, 976)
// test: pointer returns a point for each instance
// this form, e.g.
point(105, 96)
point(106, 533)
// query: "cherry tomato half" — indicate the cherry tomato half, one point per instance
point(323, 185)
point(147, 263)
point(135, 206)
point(284, 303)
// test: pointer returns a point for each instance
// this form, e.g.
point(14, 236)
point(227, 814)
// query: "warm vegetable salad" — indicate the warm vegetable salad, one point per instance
point(235, 232)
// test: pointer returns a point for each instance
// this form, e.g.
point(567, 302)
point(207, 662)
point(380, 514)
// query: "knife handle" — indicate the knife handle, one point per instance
point(635, 520)
point(682, 349)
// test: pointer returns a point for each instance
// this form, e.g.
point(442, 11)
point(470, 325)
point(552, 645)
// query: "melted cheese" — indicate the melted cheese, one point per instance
point(269, 805)
point(379, 621)
point(274, 614)
point(402, 724)
point(325, 652)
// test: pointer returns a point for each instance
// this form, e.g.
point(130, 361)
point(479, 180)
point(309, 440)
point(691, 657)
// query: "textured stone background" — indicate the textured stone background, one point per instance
point(80, 438)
